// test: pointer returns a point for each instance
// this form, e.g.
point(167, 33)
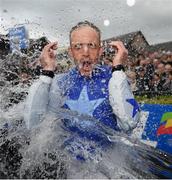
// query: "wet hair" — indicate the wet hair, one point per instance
point(85, 24)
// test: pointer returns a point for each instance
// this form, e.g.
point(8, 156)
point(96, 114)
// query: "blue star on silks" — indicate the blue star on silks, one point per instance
point(135, 105)
point(83, 105)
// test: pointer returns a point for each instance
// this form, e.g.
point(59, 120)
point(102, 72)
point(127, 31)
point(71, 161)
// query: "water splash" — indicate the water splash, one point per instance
point(46, 152)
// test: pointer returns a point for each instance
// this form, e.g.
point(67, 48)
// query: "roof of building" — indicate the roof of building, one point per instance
point(127, 38)
point(163, 46)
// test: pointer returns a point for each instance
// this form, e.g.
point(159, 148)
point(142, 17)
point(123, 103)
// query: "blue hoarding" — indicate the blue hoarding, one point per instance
point(18, 38)
point(158, 126)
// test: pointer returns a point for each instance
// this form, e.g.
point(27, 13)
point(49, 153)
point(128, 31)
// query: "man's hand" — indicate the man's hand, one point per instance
point(48, 57)
point(122, 53)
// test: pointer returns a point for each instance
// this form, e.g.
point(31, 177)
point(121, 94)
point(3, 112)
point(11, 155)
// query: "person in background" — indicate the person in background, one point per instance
point(142, 81)
point(155, 85)
point(168, 69)
point(167, 86)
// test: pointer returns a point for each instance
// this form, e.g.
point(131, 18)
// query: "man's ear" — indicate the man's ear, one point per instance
point(100, 51)
point(70, 52)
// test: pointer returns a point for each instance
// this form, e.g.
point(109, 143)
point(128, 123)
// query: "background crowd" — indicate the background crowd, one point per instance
point(151, 73)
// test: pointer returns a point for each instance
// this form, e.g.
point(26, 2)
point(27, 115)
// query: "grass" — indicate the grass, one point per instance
point(165, 99)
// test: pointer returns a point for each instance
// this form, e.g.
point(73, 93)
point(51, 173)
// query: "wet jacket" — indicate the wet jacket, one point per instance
point(106, 96)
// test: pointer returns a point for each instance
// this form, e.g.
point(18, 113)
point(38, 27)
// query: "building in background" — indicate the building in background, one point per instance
point(135, 42)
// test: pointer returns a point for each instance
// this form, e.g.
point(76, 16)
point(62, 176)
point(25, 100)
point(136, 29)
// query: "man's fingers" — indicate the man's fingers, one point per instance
point(51, 52)
point(120, 48)
point(122, 52)
point(118, 45)
point(55, 46)
point(51, 46)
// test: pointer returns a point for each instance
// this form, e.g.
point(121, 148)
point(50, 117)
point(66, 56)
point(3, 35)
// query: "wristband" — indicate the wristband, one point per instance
point(119, 67)
point(47, 73)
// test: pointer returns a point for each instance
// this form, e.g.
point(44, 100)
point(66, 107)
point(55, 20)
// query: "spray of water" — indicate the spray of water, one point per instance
point(49, 150)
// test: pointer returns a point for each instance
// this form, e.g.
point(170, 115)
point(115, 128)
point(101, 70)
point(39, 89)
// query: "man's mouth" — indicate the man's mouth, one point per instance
point(86, 67)
point(86, 63)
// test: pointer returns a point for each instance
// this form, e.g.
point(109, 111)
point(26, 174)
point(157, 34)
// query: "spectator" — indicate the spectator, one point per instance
point(167, 86)
point(142, 82)
point(156, 85)
point(168, 69)
point(156, 62)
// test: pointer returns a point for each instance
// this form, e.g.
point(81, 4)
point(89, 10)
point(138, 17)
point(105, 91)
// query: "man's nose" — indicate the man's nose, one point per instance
point(85, 50)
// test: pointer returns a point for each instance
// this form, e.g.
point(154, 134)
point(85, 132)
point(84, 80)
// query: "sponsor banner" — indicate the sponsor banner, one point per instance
point(18, 38)
point(158, 125)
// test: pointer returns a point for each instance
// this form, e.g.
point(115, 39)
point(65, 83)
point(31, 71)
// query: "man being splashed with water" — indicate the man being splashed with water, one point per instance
point(98, 91)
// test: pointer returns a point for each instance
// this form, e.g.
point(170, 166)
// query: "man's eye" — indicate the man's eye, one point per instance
point(78, 46)
point(92, 45)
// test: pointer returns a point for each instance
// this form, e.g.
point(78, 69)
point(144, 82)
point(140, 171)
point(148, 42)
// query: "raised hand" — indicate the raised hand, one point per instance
point(121, 55)
point(48, 57)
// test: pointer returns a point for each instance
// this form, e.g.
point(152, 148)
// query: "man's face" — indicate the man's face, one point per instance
point(161, 68)
point(85, 49)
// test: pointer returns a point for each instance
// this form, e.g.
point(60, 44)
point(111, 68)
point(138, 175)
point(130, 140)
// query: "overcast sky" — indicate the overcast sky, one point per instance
point(54, 18)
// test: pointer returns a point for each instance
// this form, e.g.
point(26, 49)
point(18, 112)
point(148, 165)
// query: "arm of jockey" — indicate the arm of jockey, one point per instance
point(121, 97)
point(122, 101)
point(44, 97)
point(38, 99)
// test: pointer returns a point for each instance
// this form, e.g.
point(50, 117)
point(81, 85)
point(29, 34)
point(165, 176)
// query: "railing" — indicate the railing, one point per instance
point(151, 94)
